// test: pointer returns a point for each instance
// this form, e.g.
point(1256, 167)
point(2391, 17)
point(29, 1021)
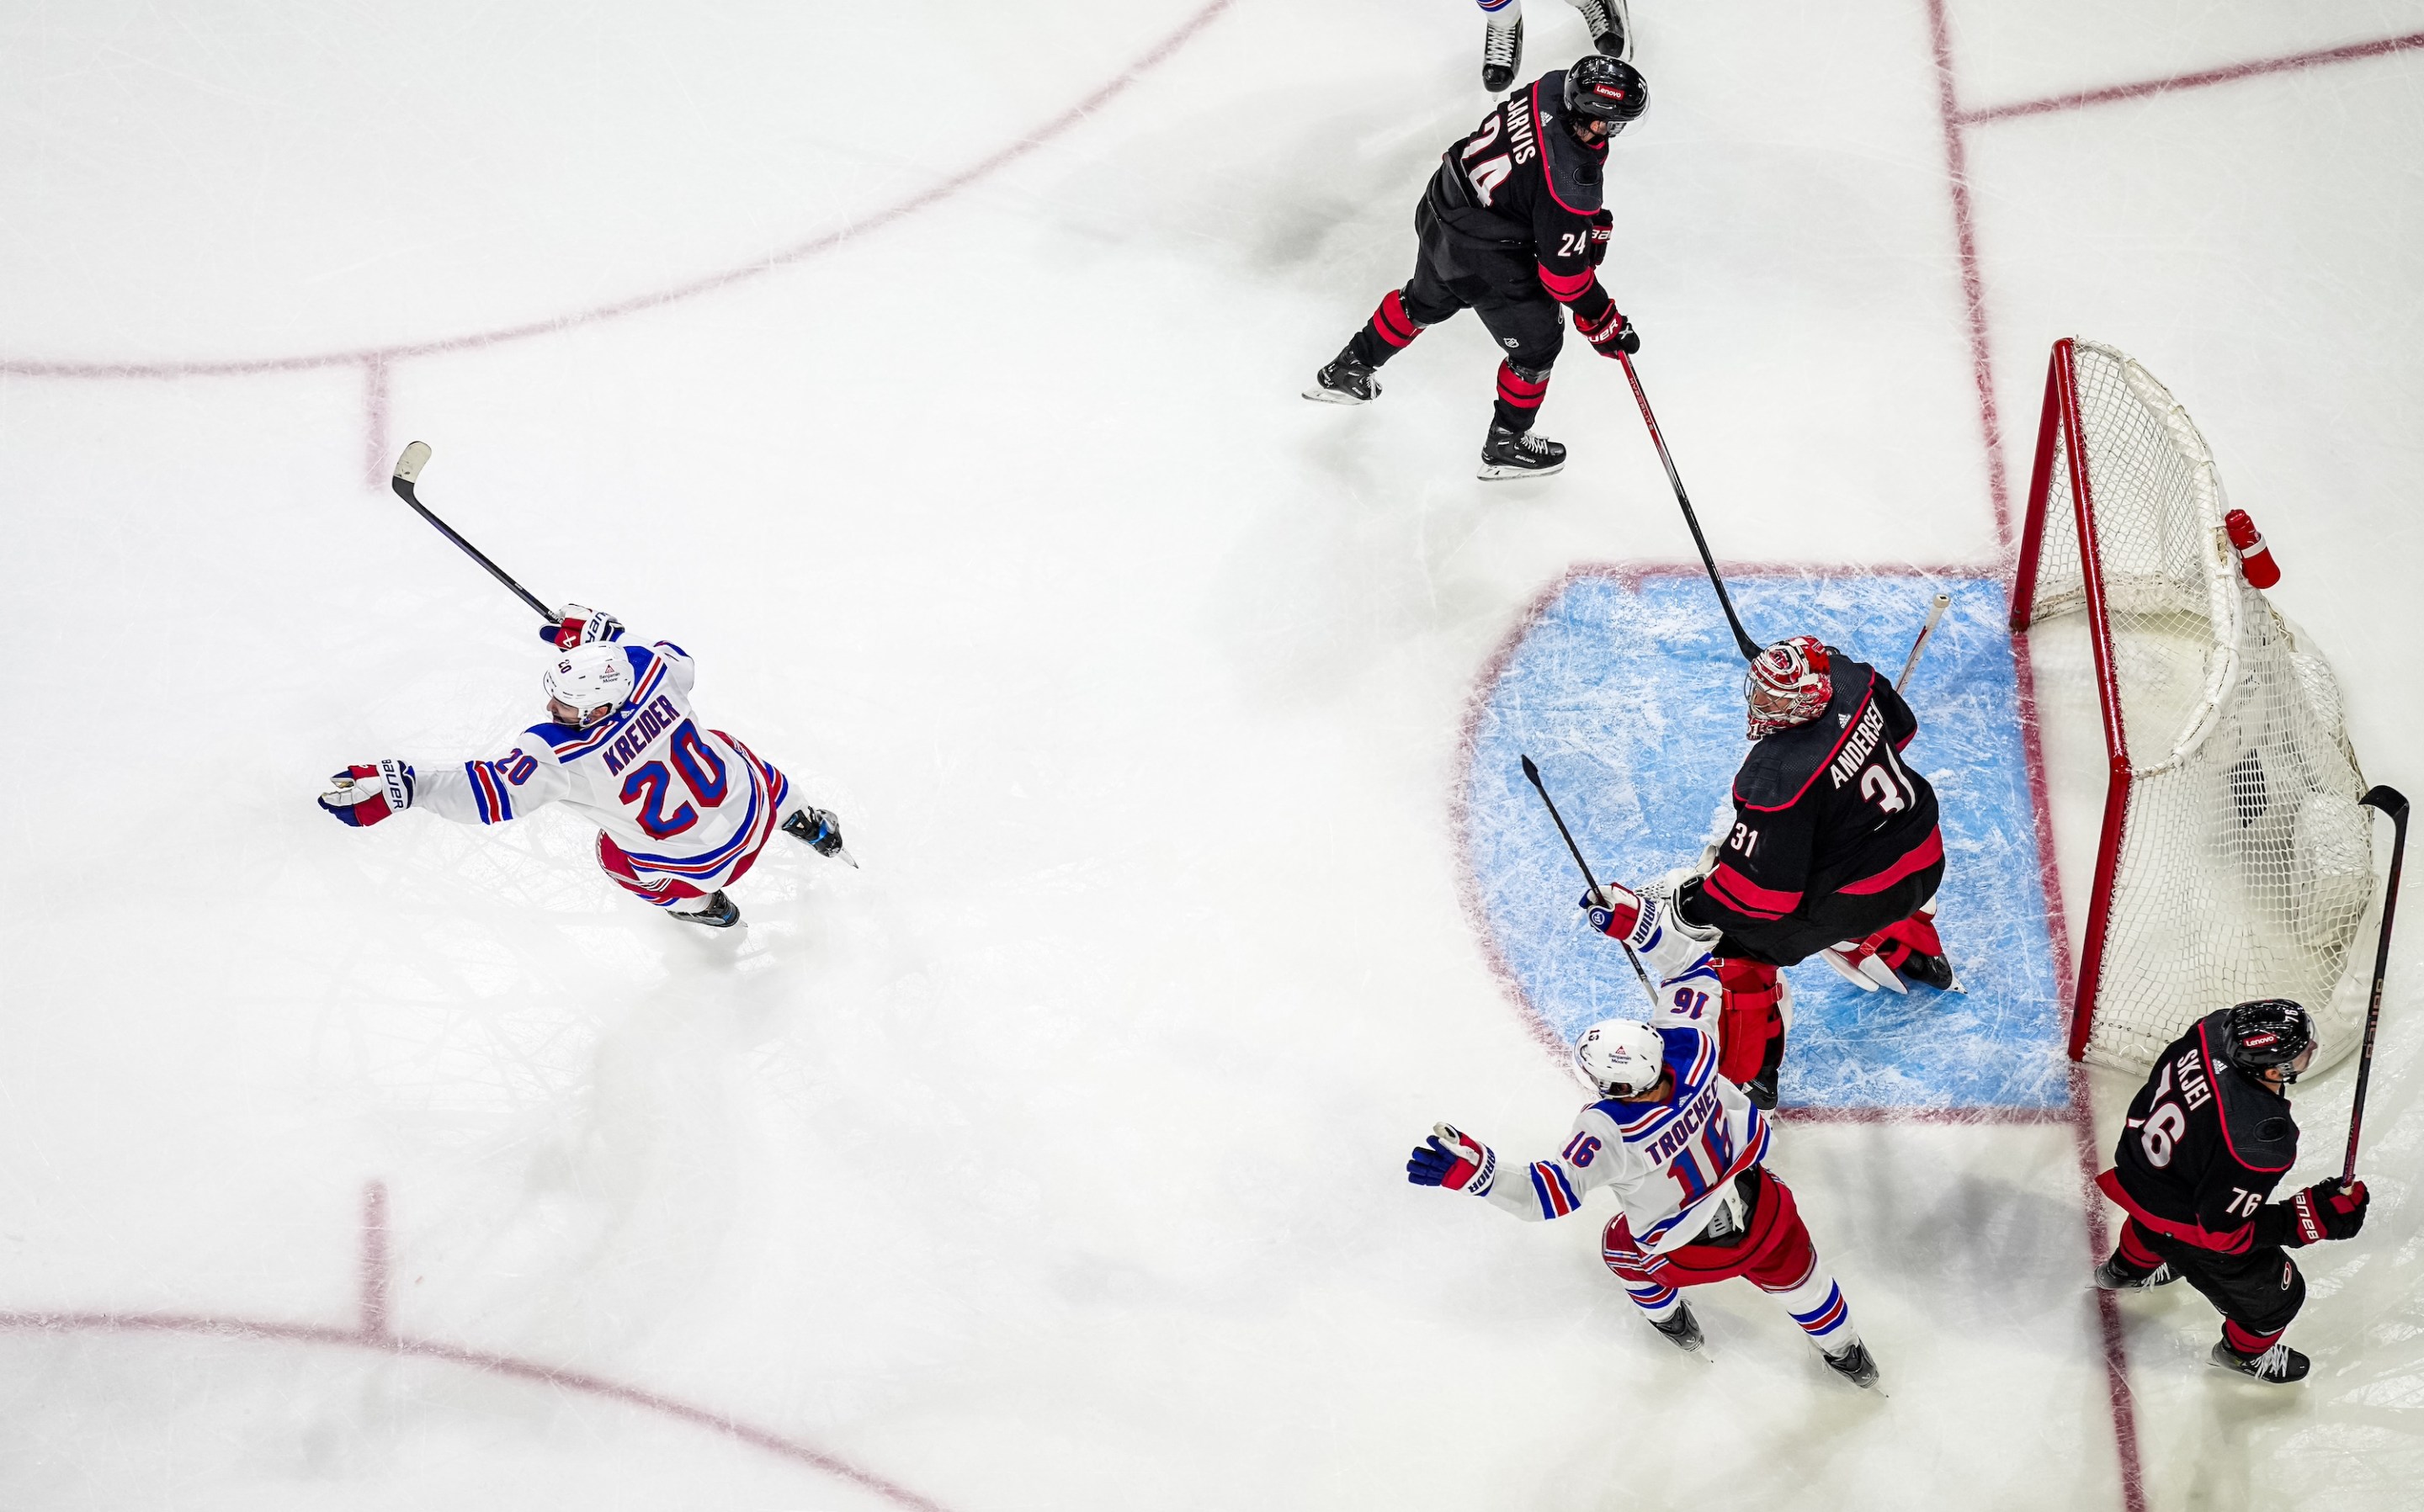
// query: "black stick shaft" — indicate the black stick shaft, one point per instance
point(1532, 772)
point(1749, 648)
point(408, 475)
point(2391, 803)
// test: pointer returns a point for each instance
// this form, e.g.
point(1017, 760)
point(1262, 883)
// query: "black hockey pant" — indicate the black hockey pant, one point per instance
point(2256, 1293)
point(1502, 285)
point(1831, 920)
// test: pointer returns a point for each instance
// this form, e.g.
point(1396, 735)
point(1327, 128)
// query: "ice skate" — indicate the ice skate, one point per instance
point(1345, 381)
point(1680, 1328)
point(1502, 54)
point(2278, 1366)
point(819, 831)
point(1519, 454)
point(1853, 1364)
point(2113, 1276)
point(1611, 27)
point(1931, 971)
point(716, 912)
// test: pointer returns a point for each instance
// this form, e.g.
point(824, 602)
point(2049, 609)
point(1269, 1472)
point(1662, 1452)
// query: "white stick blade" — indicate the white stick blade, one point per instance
point(408, 466)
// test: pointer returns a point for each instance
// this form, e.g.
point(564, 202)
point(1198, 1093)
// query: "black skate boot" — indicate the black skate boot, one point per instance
point(817, 829)
point(1853, 1364)
point(1345, 381)
point(2278, 1366)
point(1519, 454)
point(717, 913)
point(1502, 54)
point(1928, 971)
point(1611, 27)
point(1760, 1089)
point(2118, 1275)
point(1680, 1328)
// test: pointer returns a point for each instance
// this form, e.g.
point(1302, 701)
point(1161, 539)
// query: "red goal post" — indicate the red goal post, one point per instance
point(2234, 861)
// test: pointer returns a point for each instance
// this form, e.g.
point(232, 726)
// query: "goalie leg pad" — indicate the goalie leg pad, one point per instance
point(1751, 1015)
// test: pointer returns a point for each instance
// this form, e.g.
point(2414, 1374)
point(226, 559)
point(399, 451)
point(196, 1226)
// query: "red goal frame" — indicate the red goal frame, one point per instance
point(2060, 422)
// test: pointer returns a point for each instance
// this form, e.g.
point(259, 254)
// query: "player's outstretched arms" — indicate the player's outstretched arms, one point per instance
point(1454, 1160)
point(367, 792)
point(1649, 922)
point(2324, 1211)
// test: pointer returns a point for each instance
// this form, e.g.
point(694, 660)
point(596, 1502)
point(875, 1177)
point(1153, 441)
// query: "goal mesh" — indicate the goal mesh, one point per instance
point(2235, 860)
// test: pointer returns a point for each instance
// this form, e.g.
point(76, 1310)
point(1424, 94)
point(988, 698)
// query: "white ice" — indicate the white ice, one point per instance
point(1052, 1161)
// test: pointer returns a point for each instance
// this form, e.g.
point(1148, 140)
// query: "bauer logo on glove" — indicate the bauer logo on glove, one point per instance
point(361, 795)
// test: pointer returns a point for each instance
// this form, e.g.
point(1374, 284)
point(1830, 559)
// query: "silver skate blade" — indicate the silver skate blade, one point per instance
point(843, 854)
point(1331, 396)
point(1493, 473)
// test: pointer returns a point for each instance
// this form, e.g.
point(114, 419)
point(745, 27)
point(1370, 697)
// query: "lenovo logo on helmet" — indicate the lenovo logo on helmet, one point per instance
point(1607, 91)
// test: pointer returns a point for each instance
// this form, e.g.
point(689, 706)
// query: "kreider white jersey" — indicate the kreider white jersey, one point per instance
point(1668, 1161)
point(682, 801)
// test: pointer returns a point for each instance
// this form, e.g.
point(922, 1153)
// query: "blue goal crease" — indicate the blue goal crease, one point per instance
point(1627, 691)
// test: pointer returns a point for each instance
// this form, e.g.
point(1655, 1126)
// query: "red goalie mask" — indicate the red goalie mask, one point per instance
point(1788, 685)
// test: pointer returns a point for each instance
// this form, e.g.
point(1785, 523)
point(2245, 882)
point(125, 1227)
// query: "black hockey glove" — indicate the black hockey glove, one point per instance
point(2325, 1211)
point(1610, 334)
point(1603, 227)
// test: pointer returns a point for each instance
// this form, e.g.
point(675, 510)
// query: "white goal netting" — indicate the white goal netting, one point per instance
point(2242, 865)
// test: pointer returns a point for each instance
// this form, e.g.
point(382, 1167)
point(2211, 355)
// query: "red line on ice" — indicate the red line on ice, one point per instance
point(757, 267)
point(2228, 73)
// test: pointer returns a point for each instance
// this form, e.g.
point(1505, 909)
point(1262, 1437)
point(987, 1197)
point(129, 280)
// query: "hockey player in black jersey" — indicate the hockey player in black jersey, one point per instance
point(1834, 850)
point(1512, 226)
point(2206, 1139)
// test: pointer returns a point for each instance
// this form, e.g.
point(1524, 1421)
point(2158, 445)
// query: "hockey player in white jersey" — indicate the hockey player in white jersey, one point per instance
point(682, 810)
point(1682, 1148)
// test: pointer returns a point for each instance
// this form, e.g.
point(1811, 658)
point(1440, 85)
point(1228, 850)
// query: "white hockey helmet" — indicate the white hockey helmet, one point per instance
point(1620, 1056)
point(591, 680)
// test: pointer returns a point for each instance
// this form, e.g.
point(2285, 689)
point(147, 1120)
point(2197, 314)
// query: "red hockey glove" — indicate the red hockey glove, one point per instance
point(1609, 334)
point(1614, 910)
point(1454, 1160)
point(577, 625)
point(2325, 1211)
point(1603, 227)
point(363, 795)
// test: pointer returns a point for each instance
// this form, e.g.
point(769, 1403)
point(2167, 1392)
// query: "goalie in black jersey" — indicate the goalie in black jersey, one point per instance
point(1834, 852)
point(1511, 226)
point(2208, 1138)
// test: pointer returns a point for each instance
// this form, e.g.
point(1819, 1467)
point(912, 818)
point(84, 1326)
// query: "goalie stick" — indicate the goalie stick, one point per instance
point(1742, 641)
point(2391, 802)
point(407, 474)
point(1935, 612)
point(1532, 772)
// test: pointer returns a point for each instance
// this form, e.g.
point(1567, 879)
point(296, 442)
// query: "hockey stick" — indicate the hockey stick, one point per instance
point(408, 474)
point(1935, 612)
point(2391, 802)
point(1534, 773)
point(1742, 641)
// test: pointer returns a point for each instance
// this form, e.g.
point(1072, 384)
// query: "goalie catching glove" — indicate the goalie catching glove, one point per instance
point(361, 795)
point(1649, 922)
point(1453, 1159)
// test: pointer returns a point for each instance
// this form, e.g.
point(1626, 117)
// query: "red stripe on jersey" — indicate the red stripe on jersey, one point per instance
point(1858, 712)
point(2236, 1241)
point(1540, 123)
point(1565, 288)
point(1745, 896)
point(1925, 853)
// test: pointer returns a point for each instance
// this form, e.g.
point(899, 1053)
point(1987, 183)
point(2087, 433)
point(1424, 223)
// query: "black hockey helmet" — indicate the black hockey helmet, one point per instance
point(2268, 1034)
point(1606, 88)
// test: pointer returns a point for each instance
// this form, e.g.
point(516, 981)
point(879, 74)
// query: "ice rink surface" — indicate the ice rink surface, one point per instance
point(1053, 1160)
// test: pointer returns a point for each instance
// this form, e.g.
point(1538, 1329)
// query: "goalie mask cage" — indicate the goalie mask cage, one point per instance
point(2234, 860)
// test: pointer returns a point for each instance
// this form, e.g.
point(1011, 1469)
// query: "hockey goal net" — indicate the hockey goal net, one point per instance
point(2234, 861)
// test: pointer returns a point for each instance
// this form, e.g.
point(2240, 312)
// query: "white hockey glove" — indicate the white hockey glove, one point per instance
point(1649, 922)
point(363, 794)
point(578, 624)
point(1454, 1160)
